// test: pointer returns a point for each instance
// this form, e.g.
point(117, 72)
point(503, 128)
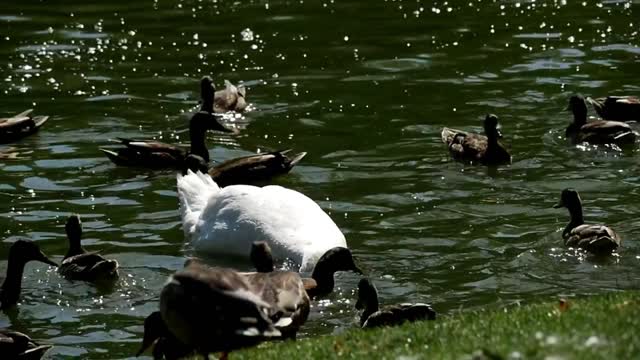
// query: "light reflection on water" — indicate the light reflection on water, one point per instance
point(365, 98)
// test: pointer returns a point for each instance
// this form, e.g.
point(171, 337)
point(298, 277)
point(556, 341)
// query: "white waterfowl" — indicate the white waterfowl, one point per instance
point(228, 220)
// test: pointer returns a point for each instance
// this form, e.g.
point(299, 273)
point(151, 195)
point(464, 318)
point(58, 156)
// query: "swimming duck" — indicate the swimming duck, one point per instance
point(620, 108)
point(199, 296)
point(597, 131)
point(155, 154)
point(373, 316)
point(473, 147)
point(247, 169)
point(20, 125)
point(20, 253)
point(165, 344)
point(79, 264)
point(321, 281)
point(231, 98)
point(227, 220)
point(16, 345)
point(596, 239)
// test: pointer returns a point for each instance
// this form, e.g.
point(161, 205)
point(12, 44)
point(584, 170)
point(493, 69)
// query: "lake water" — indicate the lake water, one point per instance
point(365, 88)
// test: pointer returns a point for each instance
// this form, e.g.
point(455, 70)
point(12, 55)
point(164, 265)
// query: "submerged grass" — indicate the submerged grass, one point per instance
point(599, 327)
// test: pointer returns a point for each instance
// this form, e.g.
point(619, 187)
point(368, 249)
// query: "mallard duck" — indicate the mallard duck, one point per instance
point(79, 264)
point(321, 281)
point(165, 344)
point(246, 169)
point(20, 253)
point(215, 310)
point(473, 147)
point(155, 154)
point(392, 315)
point(596, 239)
point(598, 131)
point(21, 125)
point(231, 98)
point(620, 108)
point(227, 220)
point(18, 346)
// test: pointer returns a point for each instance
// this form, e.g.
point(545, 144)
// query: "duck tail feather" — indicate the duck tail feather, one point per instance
point(296, 159)
point(194, 191)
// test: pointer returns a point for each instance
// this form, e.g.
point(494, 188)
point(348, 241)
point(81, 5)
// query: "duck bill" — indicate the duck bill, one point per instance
point(216, 126)
point(558, 205)
point(43, 258)
point(357, 270)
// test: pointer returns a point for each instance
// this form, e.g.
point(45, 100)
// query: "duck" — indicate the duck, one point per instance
point(19, 346)
point(227, 220)
point(392, 315)
point(18, 126)
point(198, 296)
point(79, 264)
point(158, 155)
point(165, 344)
point(247, 170)
point(231, 98)
point(472, 147)
point(595, 239)
point(321, 282)
point(20, 253)
point(261, 257)
point(598, 132)
point(619, 108)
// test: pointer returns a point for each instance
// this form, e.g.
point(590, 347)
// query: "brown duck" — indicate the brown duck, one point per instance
point(18, 126)
point(249, 169)
point(471, 147)
point(18, 346)
point(596, 132)
point(619, 108)
point(199, 296)
point(231, 98)
point(596, 239)
point(165, 344)
point(20, 253)
point(155, 154)
point(374, 316)
point(79, 264)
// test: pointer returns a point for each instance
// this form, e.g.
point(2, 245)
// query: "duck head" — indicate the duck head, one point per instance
point(570, 199)
point(154, 328)
point(578, 106)
point(336, 259)
point(261, 256)
point(26, 250)
point(491, 127)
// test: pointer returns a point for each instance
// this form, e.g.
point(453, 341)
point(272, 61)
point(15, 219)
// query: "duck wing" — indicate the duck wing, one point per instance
point(596, 239)
point(90, 266)
point(606, 132)
point(284, 291)
point(199, 296)
point(231, 98)
point(16, 345)
point(397, 314)
point(254, 168)
point(20, 125)
point(620, 108)
point(146, 153)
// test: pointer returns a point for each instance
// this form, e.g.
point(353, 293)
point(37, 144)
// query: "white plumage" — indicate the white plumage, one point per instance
point(229, 220)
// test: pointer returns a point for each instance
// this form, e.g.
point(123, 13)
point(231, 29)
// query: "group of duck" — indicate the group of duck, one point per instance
point(206, 309)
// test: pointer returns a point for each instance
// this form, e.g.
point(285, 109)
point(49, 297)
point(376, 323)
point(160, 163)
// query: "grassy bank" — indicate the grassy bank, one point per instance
point(598, 327)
